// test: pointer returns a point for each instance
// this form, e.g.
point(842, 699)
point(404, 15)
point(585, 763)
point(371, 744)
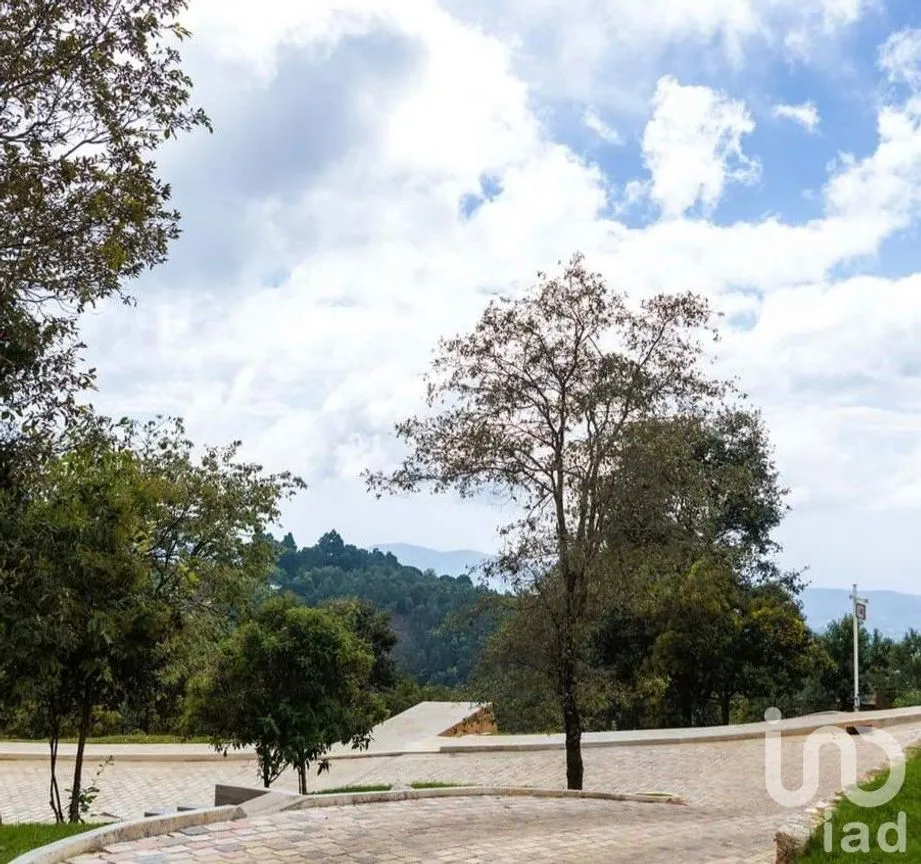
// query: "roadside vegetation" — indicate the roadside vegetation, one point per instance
point(872, 834)
point(143, 597)
point(23, 837)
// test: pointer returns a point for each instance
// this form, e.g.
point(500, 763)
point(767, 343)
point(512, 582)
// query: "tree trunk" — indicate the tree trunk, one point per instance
point(687, 709)
point(73, 814)
point(302, 778)
point(572, 723)
point(725, 700)
point(262, 757)
point(54, 791)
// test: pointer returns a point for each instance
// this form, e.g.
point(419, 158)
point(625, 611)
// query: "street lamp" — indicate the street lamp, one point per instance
point(859, 614)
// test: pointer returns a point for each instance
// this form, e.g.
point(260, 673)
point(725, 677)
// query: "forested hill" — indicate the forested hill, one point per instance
point(439, 637)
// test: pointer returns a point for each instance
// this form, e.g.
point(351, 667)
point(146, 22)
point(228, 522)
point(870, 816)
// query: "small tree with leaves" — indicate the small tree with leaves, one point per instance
point(291, 683)
point(534, 404)
point(79, 612)
point(126, 555)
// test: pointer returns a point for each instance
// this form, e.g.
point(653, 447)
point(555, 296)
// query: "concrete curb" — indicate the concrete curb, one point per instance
point(135, 755)
point(475, 791)
point(138, 755)
point(245, 797)
point(790, 842)
point(121, 832)
point(791, 726)
point(254, 803)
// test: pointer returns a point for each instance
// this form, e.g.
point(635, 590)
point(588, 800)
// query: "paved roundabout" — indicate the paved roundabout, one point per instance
point(729, 817)
point(489, 829)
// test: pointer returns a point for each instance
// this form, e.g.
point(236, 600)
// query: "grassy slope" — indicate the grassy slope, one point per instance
point(134, 738)
point(908, 800)
point(16, 839)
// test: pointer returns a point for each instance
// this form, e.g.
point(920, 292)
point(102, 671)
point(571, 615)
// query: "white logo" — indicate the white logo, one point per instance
point(815, 741)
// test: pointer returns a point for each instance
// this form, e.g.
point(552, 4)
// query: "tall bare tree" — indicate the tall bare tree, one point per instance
point(534, 404)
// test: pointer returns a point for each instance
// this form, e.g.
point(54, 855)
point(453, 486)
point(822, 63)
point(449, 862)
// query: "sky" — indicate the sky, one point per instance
point(379, 170)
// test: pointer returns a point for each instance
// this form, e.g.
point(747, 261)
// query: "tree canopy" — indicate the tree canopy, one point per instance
point(127, 558)
point(292, 681)
point(88, 91)
point(438, 634)
point(534, 403)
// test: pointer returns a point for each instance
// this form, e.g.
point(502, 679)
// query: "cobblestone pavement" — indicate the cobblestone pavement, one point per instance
point(729, 808)
point(494, 830)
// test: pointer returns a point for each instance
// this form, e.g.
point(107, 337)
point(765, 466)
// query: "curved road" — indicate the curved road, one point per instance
point(730, 815)
point(488, 830)
point(729, 818)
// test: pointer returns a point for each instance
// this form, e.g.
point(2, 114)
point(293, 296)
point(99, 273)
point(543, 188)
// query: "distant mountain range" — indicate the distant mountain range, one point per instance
point(890, 612)
point(452, 563)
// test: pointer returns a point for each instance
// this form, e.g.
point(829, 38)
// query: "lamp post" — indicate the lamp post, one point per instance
point(859, 614)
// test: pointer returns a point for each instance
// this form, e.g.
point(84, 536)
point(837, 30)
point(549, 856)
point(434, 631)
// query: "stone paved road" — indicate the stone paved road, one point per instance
point(494, 830)
point(729, 808)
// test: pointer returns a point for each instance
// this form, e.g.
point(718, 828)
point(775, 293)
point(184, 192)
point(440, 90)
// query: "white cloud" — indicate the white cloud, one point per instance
point(379, 257)
point(837, 364)
point(806, 114)
point(693, 146)
point(231, 31)
point(884, 189)
point(613, 51)
point(606, 133)
point(900, 57)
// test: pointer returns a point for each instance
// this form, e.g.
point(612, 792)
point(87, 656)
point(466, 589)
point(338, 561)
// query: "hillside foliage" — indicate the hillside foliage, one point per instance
point(435, 617)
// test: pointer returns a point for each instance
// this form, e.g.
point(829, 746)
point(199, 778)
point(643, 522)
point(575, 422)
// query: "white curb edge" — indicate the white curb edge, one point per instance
point(121, 832)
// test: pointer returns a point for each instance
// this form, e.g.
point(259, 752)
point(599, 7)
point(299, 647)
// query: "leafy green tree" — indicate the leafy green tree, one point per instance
point(884, 675)
point(777, 652)
point(89, 89)
point(533, 405)
point(700, 616)
point(372, 625)
point(80, 613)
point(721, 638)
point(905, 680)
point(701, 627)
point(208, 549)
point(127, 555)
point(291, 682)
point(694, 502)
point(696, 486)
point(439, 636)
point(836, 680)
point(516, 672)
point(890, 670)
point(622, 646)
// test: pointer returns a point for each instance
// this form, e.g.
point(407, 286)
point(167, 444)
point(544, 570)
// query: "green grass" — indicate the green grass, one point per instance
point(348, 790)
point(908, 801)
point(139, 738)
point(435, 784)
point(19, 838)
point(132, 738)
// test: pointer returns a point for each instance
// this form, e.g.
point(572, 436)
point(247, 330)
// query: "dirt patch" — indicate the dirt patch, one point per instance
point(481, 722)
